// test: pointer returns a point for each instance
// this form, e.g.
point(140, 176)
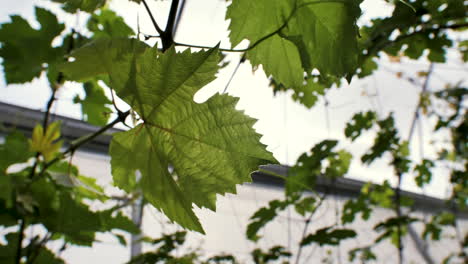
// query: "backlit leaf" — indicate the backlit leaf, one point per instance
point(21, 62)
point(46, 142)
point(211, 147)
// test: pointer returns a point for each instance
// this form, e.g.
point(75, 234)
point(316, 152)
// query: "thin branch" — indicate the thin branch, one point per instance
point(400, 175)
point(304, 231)
point(20, 241)
point(398, 213)
point(155, 24)
point(82, 141)
point(423, 91)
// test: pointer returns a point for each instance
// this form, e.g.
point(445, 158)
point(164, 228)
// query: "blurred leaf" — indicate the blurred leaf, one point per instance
point(107, 24)
point(25, 50)
point(423, 172)
point(359, 122)
point(263, 216)
point(328, 236)
point(46, 142)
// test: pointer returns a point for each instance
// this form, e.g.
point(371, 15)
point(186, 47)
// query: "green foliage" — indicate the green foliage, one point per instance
point(179, 153)
point(323, 160)
point(107, 24)
point(328, 236)
point(423, 172)
point(263, 216)
point(274, 253)
point(196, 140)
point(359, 122)
point(392, 228)
point(286, 47)
point(21, 63)
point(433, 229)
point(365, 254)
point(386, 140)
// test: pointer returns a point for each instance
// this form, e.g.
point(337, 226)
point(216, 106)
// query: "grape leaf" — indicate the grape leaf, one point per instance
point(211, 146)
point(328, 236)
point(328, 41)
point(24, 49)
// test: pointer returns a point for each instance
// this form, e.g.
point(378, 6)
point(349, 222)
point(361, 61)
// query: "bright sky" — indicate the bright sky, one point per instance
point(289, 129)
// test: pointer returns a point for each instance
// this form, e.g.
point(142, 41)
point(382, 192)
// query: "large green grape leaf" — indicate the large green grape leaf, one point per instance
point(209, 147)
point(25, 50)
point(324, 32)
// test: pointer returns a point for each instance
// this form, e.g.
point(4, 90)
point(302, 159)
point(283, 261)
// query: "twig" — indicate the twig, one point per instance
point(171, 19)
point(82, 141)
point(304, 231)
point(20, 241)
point(416, 111)
point(398, 213)
point(155, 24)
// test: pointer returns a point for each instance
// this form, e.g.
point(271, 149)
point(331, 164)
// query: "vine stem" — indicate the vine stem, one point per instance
point(82, 141)
point(166, 35)
point(20, 241)
point(400, 175)
point(306, 226)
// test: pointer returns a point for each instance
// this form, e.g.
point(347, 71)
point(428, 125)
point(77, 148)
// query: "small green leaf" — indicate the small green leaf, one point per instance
point(423, 172)
point(305, 205)
point(359, 122)
point(328, 236)
point(263, 216)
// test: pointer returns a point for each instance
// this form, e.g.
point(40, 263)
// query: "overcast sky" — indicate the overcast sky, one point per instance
point(289, 129)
